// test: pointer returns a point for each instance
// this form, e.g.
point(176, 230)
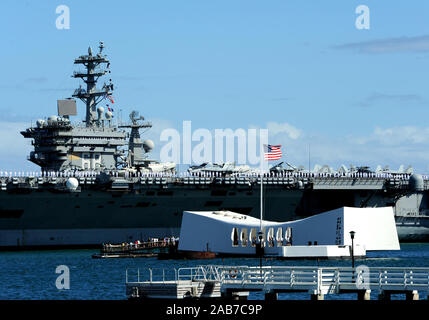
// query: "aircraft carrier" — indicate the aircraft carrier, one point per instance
point(96, 183)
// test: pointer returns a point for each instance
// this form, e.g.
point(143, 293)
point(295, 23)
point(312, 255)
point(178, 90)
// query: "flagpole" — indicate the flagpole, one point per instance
point(270, 156)
point(262, 193)
point(261, 215)
point(262, 200)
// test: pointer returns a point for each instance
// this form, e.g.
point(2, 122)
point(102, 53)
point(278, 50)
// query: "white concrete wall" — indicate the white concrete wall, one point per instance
point(375, 230)
point(321, 228)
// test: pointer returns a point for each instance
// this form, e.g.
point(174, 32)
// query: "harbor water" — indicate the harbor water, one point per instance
point(32, 274)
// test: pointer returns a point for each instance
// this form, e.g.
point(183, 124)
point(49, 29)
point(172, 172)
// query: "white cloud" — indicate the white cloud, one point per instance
point(393, 146)
point(399, 99)
point(14, 148)
point(11, 140)
point(389, 45)
point(396, 136)
point(275, 128)
point(407, 145)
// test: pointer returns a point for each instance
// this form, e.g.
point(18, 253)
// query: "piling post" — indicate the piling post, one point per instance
point(364, 295)
point(317, 296)
point(271, 295)
point(234, 295)
point(412, 295)
point(384, 295)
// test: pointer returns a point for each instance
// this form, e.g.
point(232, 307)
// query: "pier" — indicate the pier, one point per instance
point(236, 282)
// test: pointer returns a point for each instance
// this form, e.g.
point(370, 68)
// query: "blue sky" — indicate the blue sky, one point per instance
point(300, 68)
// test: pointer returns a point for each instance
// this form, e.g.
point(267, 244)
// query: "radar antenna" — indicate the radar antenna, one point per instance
point(134, 117)
point(135, 144)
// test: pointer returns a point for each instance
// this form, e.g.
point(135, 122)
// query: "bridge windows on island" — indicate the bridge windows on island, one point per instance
point(245, 237)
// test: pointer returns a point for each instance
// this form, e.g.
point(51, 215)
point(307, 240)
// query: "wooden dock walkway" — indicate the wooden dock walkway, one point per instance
point(238, 281)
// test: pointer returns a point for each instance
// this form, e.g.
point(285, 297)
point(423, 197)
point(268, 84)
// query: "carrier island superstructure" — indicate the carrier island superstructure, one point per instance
point(97, 184)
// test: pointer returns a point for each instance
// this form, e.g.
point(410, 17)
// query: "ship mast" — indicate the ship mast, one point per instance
point(135, 144)
point(92, 96)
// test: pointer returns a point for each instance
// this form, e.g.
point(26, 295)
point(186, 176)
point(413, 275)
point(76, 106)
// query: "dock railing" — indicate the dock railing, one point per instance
point(152, 275)
point(317, 280)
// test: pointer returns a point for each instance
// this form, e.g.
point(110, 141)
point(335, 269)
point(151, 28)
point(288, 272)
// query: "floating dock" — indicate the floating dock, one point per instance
point(236, 282)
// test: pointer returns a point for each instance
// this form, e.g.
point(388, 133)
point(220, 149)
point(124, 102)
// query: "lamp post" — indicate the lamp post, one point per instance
point(352, 236)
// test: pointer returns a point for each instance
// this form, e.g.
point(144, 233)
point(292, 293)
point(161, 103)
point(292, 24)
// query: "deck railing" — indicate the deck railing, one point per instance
point(283, 278)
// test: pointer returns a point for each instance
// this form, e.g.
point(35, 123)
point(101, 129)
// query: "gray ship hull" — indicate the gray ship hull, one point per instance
point(413, 229)
point(91, 217)
point(95, 186)
point(47, 217)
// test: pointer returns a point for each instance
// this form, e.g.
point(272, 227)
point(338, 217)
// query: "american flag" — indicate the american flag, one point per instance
point(272, 152)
